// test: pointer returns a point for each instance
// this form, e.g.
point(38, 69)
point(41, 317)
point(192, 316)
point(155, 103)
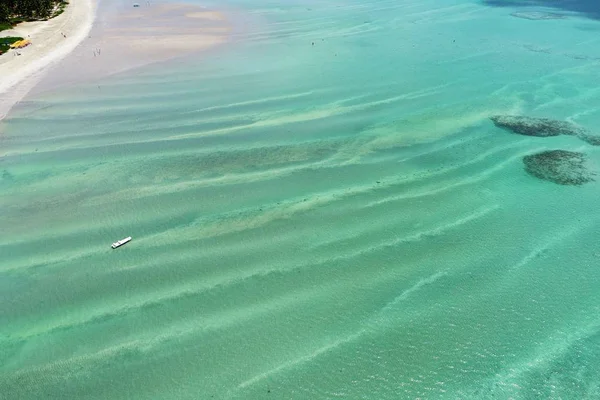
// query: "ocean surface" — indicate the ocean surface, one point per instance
point(320, 208)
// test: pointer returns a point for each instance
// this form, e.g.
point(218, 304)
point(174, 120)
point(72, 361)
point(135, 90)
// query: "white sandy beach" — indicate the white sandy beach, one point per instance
point(51, 41)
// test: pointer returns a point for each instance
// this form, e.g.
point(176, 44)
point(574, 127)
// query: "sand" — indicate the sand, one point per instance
point(167, 30)
point(215, 16)
point(51, 41)
point(125, 38)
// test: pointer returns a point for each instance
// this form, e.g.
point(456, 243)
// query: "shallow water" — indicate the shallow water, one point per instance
point(337, 219)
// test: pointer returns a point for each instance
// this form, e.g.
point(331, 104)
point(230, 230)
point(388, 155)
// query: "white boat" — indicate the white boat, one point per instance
point(121, 242)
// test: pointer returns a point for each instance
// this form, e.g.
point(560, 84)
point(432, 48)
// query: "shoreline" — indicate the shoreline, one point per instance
point(52, 40)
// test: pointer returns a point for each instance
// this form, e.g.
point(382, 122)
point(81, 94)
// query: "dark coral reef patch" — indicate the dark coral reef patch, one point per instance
point(559, 166)
point(541, 127)
point(590, 139)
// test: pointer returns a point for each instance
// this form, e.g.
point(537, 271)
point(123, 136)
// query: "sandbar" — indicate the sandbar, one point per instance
point(125, 38)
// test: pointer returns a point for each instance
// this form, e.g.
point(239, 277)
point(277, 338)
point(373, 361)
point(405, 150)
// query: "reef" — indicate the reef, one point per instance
point(541, 127)
point(559, 166)
point(590, 139)
point(538, 16)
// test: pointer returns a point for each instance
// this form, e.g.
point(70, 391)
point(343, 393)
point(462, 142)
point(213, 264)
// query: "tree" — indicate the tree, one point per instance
point(26, 9)
point(4, 13)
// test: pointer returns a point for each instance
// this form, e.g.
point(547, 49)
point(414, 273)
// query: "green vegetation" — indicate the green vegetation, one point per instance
point(5, 43)
point(61, 8)
point(14, 11)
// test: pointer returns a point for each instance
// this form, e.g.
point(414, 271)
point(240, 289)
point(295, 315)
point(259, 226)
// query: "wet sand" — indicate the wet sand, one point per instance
point(124, 38)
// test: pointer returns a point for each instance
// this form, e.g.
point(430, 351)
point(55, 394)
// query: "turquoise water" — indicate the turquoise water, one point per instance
point(337, 220)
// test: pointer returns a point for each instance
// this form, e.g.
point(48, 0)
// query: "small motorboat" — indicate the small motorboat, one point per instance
point(121, 242)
